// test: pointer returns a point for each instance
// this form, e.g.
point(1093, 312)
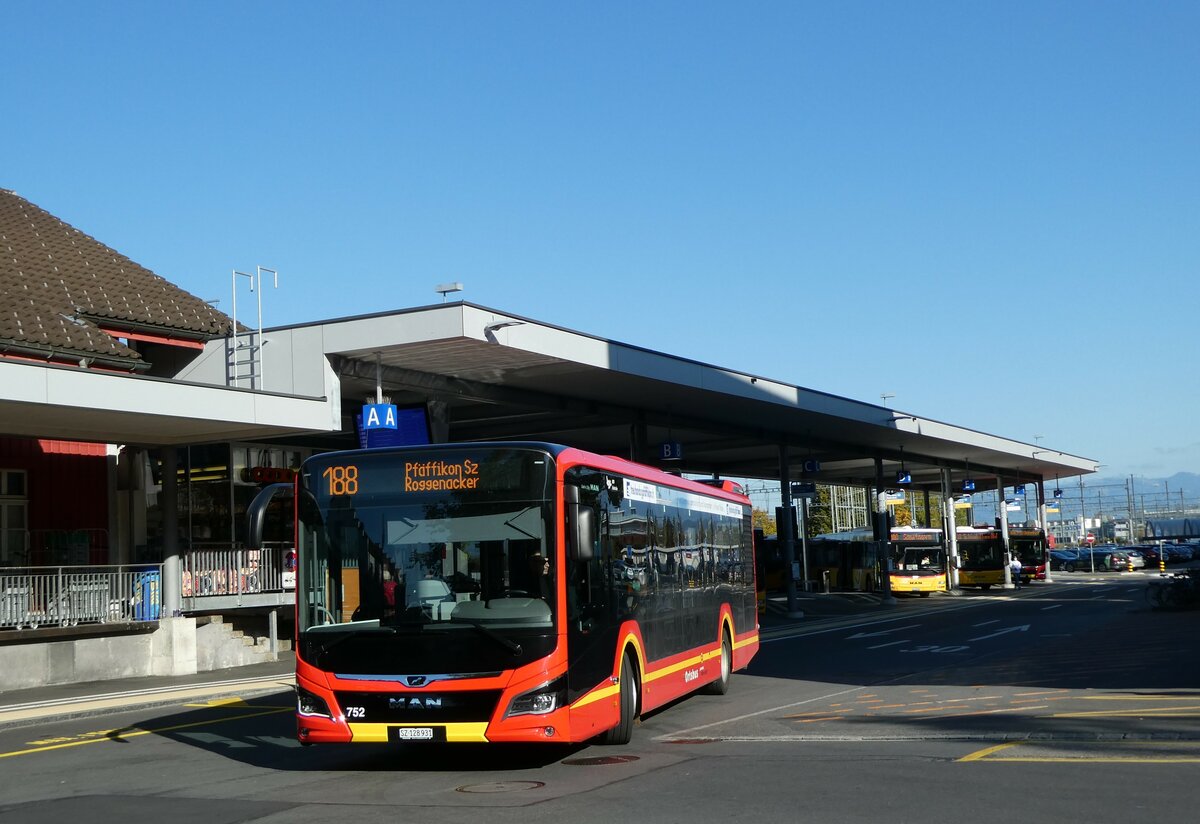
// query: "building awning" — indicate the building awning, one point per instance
point(46, 401)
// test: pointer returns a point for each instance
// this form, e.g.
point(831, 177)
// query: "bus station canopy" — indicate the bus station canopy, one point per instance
point(490, 375)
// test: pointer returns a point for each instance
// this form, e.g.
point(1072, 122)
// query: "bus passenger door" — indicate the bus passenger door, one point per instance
point(591, 620)
point(591, 632)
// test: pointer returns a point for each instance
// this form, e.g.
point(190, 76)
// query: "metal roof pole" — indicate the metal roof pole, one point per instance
point(786, 538)
point(1045, 525)
point(1002, 506)
point(172, 579)
point(950, 526)
point(883, 533)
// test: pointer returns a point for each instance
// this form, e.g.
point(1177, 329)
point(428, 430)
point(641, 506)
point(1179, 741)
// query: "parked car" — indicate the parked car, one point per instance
point(1136, 559)
point(1086, 559)
point(1120, 559)
point(1149, 553)
point(1176, 553)
point(1187, 552)
point(1060, 557)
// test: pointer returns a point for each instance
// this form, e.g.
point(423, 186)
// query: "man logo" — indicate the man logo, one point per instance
point(415, 680)
point(415, 703)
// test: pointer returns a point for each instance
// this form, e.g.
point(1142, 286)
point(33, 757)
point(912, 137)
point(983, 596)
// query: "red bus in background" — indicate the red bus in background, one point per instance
point(1029, 544)
point(509, 592)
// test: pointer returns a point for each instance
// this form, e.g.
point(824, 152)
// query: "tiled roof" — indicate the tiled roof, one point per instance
point(58, 286)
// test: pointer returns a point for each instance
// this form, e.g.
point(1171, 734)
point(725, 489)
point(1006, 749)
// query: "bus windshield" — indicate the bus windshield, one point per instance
point(452, 541)
point(1031, 550)
point(920, 559)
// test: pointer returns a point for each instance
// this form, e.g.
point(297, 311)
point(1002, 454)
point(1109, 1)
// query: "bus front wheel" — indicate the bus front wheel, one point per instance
point(627, 698)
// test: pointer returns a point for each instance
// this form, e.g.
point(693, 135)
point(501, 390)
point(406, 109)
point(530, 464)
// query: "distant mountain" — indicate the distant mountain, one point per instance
point(1189, 482)
point(1179, 491)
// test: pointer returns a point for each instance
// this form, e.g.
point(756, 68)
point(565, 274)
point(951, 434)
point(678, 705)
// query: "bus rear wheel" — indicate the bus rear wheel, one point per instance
point(627, 698)
point(721, 685)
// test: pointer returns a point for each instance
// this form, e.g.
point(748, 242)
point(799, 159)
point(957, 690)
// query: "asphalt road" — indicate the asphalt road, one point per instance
point(1071, 701)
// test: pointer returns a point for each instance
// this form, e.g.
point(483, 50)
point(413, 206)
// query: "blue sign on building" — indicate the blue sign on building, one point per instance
point(409, 426)
point(379, 416)
point(670, 451)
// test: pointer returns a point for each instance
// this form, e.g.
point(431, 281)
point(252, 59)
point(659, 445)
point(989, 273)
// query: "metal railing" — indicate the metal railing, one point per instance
point(221, 570)
point(64, 596)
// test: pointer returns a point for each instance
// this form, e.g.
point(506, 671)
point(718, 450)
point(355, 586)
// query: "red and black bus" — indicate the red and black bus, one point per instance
point(1028, 543)
point(510, 592)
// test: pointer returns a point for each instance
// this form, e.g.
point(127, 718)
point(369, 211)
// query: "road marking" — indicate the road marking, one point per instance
point(984, 753)
point(881, 632)
point(1019, 628)
point(891, 644)
point(122, 734)
point(985, 623)
point(1056, 606)
point(1141, 697)
point(1140, 712)
point(686, 733)
point(987, 753)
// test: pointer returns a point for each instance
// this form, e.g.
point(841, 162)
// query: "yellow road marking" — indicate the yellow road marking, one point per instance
point(1191, 697)
point(1105, 757)
point(984, 753)
point(120, 734)
point(1099, 760)
point(1157, 712)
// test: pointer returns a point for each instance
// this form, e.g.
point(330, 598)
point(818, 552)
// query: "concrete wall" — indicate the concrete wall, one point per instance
point(177, 647)
point(169, 650)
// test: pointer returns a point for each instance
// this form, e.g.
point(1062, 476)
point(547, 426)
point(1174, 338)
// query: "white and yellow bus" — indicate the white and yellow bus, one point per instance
point(918, 560)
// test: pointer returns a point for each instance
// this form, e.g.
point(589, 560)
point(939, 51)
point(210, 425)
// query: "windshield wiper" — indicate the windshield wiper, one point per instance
point(508, 644)
point(324, 648)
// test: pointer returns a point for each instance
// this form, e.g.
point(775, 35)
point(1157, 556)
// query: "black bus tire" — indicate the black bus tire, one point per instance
point(622, 733)
point(721, 685)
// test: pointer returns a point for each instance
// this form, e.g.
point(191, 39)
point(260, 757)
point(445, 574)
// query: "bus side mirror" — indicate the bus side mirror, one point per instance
point(256, 513)
point(581, 526)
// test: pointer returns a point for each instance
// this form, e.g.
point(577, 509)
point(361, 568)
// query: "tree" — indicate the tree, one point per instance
point(820, 512)
point(760, 519)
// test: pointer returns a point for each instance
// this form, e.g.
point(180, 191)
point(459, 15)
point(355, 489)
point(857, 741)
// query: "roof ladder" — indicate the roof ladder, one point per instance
point(243, 349)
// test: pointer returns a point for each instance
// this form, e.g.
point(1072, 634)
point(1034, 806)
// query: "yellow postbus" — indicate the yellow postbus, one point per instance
point(981, 557)
point(918, 560)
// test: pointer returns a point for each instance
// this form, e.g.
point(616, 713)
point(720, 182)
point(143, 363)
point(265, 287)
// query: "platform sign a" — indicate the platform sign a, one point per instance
point(384, 424)
point(379, 416)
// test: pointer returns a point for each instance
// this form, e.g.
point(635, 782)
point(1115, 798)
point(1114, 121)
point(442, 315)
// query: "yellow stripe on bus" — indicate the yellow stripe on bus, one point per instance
point(611, 690)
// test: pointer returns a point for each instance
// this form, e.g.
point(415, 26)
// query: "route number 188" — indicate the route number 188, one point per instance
point(343, 480)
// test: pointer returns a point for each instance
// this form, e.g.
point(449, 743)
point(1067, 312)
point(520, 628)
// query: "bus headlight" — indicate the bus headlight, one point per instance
point(309, 704)
point(540, 700)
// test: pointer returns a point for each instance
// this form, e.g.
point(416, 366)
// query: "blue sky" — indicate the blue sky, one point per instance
point(989, 210)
